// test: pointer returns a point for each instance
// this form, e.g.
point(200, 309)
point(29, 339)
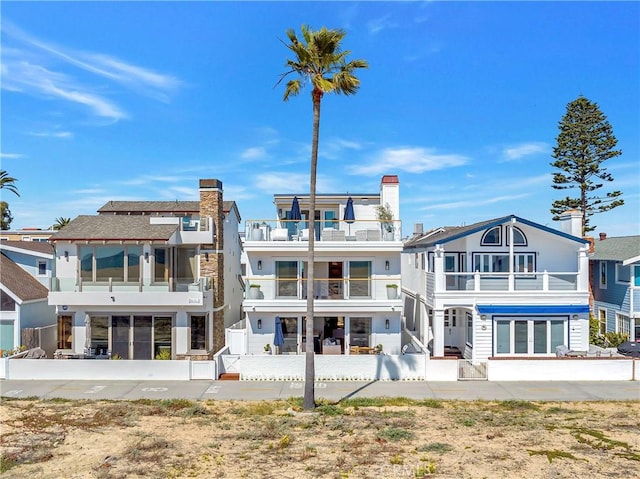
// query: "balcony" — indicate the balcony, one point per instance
point(359, 231)
point(193, 230)
point(330, 289)
point(556, 281)
point(67, 291)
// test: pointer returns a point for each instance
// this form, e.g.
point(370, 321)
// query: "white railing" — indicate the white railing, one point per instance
point(537, 281)
point(61, 285)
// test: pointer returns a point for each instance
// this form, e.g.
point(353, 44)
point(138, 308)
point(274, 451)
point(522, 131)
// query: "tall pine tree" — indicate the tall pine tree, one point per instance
point(585, 141)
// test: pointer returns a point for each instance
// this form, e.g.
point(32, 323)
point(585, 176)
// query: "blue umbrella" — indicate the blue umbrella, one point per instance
point(278, 339)
point(295, 214)
point(349, 215)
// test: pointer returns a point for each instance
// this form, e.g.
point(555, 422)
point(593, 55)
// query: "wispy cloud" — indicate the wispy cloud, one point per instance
point(34, 66)
point(473, 202)
point(254, 153)
point(378, 24)
point(515, 152)
point(409, 159)
point(11, 156)
point(52, 134)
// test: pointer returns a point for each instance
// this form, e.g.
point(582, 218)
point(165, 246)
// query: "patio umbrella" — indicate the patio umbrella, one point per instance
point(87, 329)
point(296, 215)
point(278, 338)
point(349, 215)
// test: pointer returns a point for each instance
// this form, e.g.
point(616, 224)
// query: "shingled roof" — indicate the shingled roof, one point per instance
point(114, 227)
point(150, 207)
point(19, 282)
point(616, 249)
point(35, 246)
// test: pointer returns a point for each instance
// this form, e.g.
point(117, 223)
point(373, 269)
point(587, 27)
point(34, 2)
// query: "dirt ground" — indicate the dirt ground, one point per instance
point(357, 438)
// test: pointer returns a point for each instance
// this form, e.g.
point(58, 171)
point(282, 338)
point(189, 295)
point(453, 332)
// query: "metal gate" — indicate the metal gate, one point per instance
point(468, 370)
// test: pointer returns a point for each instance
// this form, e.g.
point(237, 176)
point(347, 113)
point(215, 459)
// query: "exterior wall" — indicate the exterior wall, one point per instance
point(564, 369)
point(29, 262)
point(36, 314)
point(614, 293)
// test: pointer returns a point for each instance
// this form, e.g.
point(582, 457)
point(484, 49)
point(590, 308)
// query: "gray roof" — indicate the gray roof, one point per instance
point(149, 207)
point(35, 246)
point(19, 282)
point(616, 249)
point(114, 227)
point(438, 235)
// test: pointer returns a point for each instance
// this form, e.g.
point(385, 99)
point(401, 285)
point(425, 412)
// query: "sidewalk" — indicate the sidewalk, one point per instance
point(330, 390)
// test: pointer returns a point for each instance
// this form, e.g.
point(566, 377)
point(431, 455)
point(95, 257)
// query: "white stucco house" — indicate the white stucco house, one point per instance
point(149, 279)
point(357, 304)
point(505, 287)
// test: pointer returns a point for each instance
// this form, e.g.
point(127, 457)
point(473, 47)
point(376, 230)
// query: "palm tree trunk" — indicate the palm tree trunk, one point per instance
point(309, 384)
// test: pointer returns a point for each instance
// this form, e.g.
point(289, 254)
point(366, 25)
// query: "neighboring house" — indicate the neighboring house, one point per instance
point(148, 277)
point(26, 269)
point(502, 287)
point(615, 284)
point(27, 234)
point(356, 263)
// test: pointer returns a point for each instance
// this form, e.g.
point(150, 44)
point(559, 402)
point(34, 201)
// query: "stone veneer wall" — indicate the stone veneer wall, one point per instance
point(211, 207)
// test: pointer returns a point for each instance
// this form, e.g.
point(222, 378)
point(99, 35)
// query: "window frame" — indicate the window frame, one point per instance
point(205, 319)
point(484, 242)
point(515, 243)
point(42, 267)
point(602, 277)
point(618, 267)
point(529, 338)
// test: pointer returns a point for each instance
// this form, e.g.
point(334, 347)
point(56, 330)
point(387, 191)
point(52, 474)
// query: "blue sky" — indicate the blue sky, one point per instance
point(138, 100)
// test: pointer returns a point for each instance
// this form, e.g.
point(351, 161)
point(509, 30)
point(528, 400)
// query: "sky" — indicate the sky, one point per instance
point(136, 100)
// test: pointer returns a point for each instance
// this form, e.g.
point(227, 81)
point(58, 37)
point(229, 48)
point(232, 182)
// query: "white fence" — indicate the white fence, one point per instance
point(291, 368)
point(97, 369)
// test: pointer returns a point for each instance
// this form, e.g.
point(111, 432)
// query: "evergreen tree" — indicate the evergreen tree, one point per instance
point(585, 141)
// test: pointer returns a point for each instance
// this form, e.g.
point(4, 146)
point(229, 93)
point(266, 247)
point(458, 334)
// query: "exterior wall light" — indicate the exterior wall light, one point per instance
point(259, 324)
point(259, 264)
point(386, 265)
point(146, 256)
point(386, 323)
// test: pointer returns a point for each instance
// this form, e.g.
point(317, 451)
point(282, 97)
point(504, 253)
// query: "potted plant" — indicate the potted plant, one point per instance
point(392, 291)
point(267, 348)
point(378, 348)
point(254, 291)
point(385, 217)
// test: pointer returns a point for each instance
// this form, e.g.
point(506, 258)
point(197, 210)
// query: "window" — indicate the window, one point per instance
point(198, 327)
point(360, 332)
point(42, 268)
point(602, 319)
point(623, 274)
point(623, 324)
point(99, 332)
point(415, 260)
point(161, 335)
point(491, 263)
point(115, 263)
point(7, 302)
point(423, 259)
point(529, 336)
point(492, 237)
point(469, 329)
point(7, 331)
point(65, 336)
point(290, 333)
point(287, 278)
point(161, 265)
point(524, 263)
point(360, 279)
point(519, 239)
point(603, 275)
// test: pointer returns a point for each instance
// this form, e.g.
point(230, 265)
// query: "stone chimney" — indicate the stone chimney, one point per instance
point(212, 264)
point(571, 222)
point(603, 236)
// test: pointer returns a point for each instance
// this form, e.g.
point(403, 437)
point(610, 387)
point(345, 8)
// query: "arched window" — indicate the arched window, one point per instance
point(491, 237)
point(519, 239)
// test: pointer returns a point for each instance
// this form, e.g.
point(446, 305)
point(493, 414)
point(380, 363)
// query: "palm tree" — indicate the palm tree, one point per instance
point(319, 60)
point(61, 223)
point(8, 182)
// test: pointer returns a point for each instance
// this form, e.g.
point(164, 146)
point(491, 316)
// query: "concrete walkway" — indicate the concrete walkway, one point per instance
point(330, 390)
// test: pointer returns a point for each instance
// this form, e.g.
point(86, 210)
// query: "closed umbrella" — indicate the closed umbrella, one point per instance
point(295, 215)
point(349, 215)
point(278, 338)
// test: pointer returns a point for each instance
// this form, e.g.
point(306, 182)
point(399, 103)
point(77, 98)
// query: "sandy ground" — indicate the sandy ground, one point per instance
point(353, 439)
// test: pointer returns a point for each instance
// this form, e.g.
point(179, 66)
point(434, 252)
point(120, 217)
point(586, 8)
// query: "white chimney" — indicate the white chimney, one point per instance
point(571, 222)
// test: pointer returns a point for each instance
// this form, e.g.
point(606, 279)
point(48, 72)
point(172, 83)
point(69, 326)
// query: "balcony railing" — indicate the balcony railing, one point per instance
point(61, 285)
point(324, 289)
point(325, 230)
point(545, 281)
